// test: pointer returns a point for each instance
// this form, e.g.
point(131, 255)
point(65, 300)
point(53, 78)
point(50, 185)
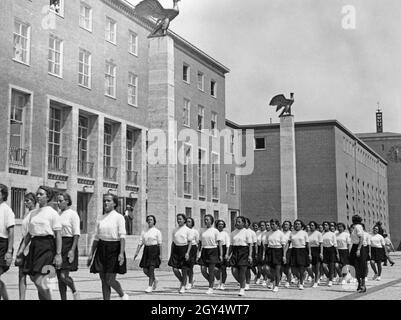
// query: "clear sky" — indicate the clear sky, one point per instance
point(300, 46)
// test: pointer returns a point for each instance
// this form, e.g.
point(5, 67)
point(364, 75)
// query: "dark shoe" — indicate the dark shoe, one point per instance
point(362, 290)
point(385, 264)
point(392, 263)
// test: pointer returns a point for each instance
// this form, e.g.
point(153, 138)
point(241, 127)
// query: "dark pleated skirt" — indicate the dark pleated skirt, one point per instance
point(150, 257)
point(344, 256)
point(66, 247)
point(274, 256)
point(224, 262)
point(377, 254)
point(3, 251)
point(177, 257)
point(193, 253)
point(299, 257)
point(209, 256)
point(315, 251)
point(239, 256)
point(329, 255)
point(359, 263)
point(41, 253)
point(259, 258)
point(106, 258)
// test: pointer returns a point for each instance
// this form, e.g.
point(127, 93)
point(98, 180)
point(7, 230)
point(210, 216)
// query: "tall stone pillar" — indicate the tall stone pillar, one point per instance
point(288, 170)
point(161, 108)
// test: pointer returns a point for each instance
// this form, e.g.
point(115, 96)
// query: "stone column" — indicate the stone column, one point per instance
point(73, 156)
point(161, 176)
point(288, 170)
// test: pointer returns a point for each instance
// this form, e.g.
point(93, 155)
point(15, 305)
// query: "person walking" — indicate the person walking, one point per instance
point(260, 261)
point(221, 267)
point(107, 255)
point(193, 254)
point(377, 253)
point(390, 248)
point(344, 246)
point(316, 245)
point(152, 240)
point(330, 253)
point(286, 266)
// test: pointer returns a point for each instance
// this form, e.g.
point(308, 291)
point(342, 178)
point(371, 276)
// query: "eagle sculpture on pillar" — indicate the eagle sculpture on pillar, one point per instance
point(153, 9)
point(282, 102)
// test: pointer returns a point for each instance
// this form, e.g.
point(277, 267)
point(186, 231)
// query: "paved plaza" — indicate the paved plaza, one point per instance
point(134, 282)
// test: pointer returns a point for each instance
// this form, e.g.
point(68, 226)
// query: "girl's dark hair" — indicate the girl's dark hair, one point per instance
point(151, 216)
point(324, 222)
point(363, 226)
point(31, 196)
point(49, 192)
point(182, 215)
point(260, 222)
point(275, 221)
point(4, 191)
point(242, 218)
point(314, 223)
point(248, 221)
point(356, 219)
point(192, 221)
point(341, 224)
point(216, 224)
point(302, 224)
point(334, 223)
point(67, 197)
point(114, 197)
point(287, 221)
point(211, 218)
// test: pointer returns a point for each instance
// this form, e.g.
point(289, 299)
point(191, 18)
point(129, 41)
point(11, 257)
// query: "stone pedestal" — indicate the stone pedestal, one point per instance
point(288, 172)
point(161, 111)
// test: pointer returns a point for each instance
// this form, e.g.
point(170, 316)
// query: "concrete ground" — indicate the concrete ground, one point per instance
point(134, 282)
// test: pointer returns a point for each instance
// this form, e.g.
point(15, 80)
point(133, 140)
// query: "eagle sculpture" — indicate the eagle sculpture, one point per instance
point(153, 9)
point(282, 102)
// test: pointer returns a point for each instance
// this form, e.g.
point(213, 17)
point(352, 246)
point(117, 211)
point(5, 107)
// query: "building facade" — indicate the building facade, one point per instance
point(337, 175)
point(84, 91)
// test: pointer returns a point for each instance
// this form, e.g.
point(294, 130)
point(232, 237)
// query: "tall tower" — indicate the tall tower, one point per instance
point(379, 120)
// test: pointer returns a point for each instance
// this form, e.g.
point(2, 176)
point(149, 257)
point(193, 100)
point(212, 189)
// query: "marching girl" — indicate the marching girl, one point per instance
point(254, 254)
point(359, 252)
point(193, 253)
point(221, 267)
point(44, 236)
point(70, 232)
point(152, 240)
point(389, 248)
point(316, 245)
point(300, 253)
point(180, 251)
point(286, 267)
point(378, 253)
point(30, 204)
point(209, 250)
point(7, 222)
point(344, 245)
point(275, 244)
point(240, 252)
point(330, 253)
point(261, 239)
point(108, 248)
point(366, 242)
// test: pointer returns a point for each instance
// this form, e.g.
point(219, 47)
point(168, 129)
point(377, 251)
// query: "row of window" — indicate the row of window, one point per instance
point(200, 77)
point(188, 214)
point(186, 117)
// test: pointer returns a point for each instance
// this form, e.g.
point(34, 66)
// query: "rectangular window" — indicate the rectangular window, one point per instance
point(85, 17)
point(213, 86)
point(132, 89)
point(216, 215)
point(202, 169)
point(111, 30)
point(188, 212)
point(202, 217)
point(56, 161)
point(201, 78)
point(215, 176)
point(187, 169)
point(201, 118)
point(110, 80)
point(213, 124)
point(22, 39)
point(232, 143)
point(57, 6)
point(85, 168)
point(84, 68)
point(186, 112)
point(185, 73)
point(109, 172)
point(133, 43)
point(17, 202)
point(55, 58)
point(232, 183)
point(260, 143)
point(132, 175)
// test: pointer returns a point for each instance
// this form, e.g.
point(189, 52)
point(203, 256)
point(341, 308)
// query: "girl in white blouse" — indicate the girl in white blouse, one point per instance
point(260, 263)
point(286, 267)
point(70, 232)
point(44, 236)
point(108, 248)
point(240, 252)
point(377, 253)
point(208, 252)
point(316, 245)
point(330, 253)
point(343, 246)
point(152, 240)
point(221, 267)
point(193, 254)
point(300, 253)
point(252, 266)
point(180, 251)
point(7, 222)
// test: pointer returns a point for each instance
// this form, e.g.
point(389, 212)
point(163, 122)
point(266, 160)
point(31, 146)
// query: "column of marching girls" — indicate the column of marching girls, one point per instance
point(270, 254)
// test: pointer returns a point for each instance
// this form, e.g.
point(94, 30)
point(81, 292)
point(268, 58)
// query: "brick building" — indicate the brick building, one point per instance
point(337, 175)
point(83, 89)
